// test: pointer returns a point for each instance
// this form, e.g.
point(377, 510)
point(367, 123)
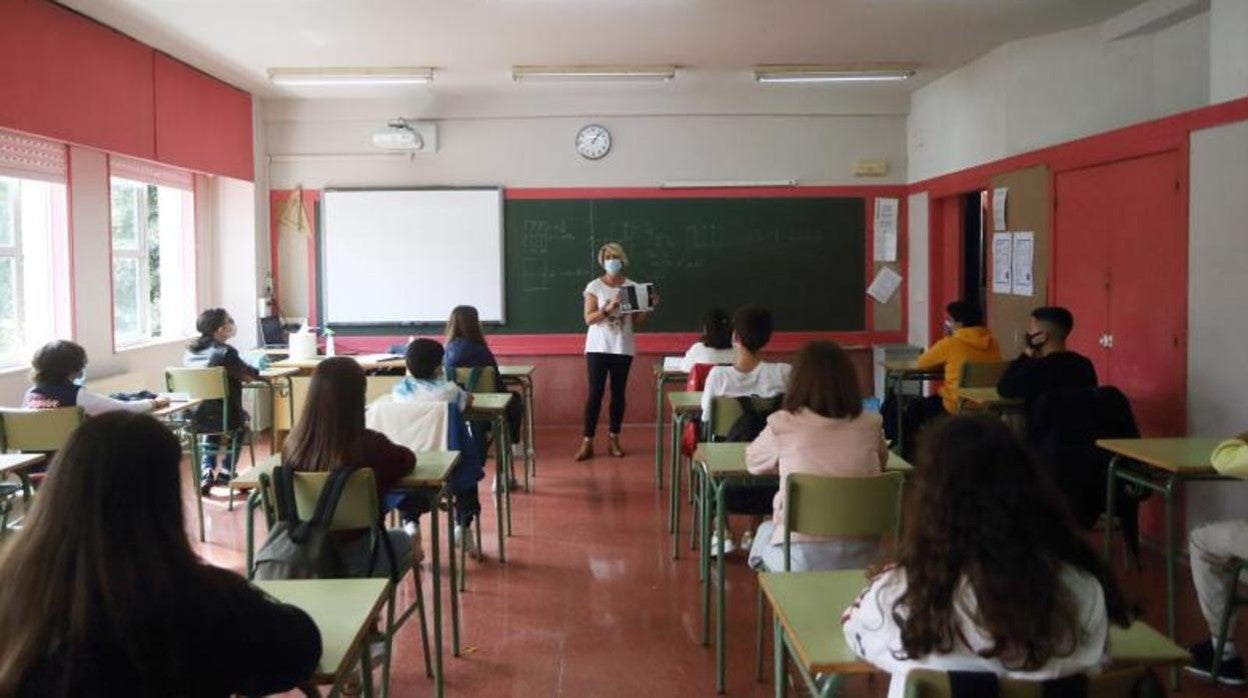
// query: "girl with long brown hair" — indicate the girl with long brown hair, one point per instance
point(103, 595)
point(466, 348)
point(330, 434)
point(992, 572)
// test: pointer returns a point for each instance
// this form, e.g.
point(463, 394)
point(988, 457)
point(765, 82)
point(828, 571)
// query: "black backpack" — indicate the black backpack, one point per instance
point(298, 549)
point(753, 419)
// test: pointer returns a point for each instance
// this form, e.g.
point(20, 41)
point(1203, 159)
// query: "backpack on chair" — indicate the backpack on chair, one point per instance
point(753, 419)
point(697, 380)
point(298, 549)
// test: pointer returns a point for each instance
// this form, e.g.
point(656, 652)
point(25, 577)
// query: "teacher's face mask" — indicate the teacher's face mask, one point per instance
point(613, 266)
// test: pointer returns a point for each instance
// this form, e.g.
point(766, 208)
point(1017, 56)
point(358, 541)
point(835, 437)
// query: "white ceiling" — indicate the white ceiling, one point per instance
point(473, 43)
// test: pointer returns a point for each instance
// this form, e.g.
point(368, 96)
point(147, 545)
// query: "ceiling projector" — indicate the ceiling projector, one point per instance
point(399, 134)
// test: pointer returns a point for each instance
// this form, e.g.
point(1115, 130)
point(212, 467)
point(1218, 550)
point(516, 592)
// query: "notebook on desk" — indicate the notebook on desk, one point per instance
point(672, 364)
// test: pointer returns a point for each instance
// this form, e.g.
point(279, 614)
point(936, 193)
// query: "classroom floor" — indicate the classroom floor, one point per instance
point(590, 602)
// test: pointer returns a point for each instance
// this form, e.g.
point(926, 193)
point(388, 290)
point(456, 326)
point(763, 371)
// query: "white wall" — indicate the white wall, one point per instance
point(535, 152)
point(1228, 50)
point(1217, 387)
point(1045, 90)
point(238, 271)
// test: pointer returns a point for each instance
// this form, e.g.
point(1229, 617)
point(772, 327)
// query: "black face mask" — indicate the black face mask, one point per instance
point(1030, 339)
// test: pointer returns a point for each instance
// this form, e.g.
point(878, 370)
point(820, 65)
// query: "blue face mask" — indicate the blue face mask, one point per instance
point(948, 327)
point(613, 266)
point(80, 380)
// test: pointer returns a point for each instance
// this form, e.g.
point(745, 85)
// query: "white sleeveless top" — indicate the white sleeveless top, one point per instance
point(614, 334)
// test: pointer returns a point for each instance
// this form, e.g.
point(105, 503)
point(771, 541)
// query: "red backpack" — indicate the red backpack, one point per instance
point(697, 380)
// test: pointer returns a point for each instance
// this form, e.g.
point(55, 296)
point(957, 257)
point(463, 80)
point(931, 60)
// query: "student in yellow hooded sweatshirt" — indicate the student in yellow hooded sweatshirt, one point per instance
point(967, 340)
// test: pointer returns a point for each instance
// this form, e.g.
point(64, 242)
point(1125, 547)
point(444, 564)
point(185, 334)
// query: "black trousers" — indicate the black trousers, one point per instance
point(602, 366)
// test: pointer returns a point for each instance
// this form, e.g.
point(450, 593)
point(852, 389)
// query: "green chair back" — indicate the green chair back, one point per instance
point(357, 509)
point(198, 383)
point(1135, 682)
point(982, 375)
point(487, 379)
point(725, 411)
point(377, 386)
point(845, 507)
point(39, 430)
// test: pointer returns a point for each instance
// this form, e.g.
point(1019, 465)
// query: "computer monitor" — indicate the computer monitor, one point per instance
point(272, 334)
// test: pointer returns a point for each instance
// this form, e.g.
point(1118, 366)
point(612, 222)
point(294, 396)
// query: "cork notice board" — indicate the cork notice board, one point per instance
point(1027, 209)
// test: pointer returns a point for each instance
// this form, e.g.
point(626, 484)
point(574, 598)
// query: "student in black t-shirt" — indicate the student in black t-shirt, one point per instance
point(1046, 363)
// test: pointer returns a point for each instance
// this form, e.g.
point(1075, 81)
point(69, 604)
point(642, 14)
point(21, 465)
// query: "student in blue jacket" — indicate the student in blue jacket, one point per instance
point(466, 348)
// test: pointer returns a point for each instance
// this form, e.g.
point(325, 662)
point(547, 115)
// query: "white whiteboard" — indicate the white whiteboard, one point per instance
point(403, 256)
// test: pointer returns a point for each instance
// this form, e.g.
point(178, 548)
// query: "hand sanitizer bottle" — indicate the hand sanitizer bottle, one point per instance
point(329, 342)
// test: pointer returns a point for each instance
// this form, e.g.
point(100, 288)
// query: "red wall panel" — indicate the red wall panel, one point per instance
point(202, 124)
point(66, 77)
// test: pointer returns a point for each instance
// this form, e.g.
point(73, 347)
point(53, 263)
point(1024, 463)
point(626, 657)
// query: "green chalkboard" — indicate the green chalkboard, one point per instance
point(804, 258)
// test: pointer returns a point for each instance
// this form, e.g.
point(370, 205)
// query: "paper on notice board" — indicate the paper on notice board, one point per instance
point(884, 285)
point(999, 196)
point(1002, 256)
point(1024, 248)
point(886, 229)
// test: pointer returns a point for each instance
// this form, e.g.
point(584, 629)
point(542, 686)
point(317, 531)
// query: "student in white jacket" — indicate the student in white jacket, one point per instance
point(992, 574)
point(1212, 546)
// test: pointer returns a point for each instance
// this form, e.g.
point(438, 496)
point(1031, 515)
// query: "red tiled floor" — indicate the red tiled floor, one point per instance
point(590, 602)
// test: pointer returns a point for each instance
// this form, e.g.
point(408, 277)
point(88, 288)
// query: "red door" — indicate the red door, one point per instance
point(1120, 265)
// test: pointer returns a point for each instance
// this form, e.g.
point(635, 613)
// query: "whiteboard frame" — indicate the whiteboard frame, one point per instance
point(321, 247)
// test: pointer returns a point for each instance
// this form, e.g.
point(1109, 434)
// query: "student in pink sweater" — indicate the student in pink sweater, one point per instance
point(821, 430)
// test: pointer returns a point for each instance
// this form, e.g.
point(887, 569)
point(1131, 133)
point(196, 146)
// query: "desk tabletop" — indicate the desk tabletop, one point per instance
point(15, 462)
point(726, 459)
point(809, 606)
point(432, 469)
point(670, 369)
point(175, 407)
point(275, 371)
point(1186, 455)
point(986, 398)
point(489, 403)
point(911, 367)
point(343, 610)
point(516, 371)
point(685, 401)
point(368, 364)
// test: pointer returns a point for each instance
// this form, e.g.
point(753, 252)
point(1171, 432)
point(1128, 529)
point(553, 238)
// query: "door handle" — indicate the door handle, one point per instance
point(1109, 341)
point(1103, 341)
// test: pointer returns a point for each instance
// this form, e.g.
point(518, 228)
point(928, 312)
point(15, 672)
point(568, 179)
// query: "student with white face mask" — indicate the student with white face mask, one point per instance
point(609, 347)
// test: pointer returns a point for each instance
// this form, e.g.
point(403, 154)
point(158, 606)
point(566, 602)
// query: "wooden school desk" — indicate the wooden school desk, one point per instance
point(807, 607)
point(344, 611)
point(523, 377)
point(1158, 465)
point(722, 464)
point(686, 408)
point(666, 372)
point(395, 364)
point(987, 399)
point(896, 373)
point(430, 478)
point(277, 382)
point(493, 407)
point(18, 464)
point(175, 408)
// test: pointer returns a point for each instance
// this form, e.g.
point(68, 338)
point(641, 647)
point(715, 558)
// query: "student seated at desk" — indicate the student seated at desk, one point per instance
point(331, 434)
point(466, 348)
point(968, 341)
point(104, 596)
point(715, 344)
point(748, 376)
point(60, 368)
point(216, 328)
point(821, 430)
point(1046, 363)
point(992, 574)
point(426, 383)
point(1212, 546)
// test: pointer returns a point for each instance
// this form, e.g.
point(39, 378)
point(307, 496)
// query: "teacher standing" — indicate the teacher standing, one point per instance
point(609, 348)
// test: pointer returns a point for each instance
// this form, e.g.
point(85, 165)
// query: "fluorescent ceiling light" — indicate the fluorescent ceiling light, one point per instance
point(800, 74)
point(592, 73)
point(350, 76)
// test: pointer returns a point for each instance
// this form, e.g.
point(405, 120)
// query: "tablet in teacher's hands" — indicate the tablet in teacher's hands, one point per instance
point(637, 298)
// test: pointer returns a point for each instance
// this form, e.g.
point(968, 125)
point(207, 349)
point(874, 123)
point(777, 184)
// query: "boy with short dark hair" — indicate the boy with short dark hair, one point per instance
point(426, 382)
point(1046, 363)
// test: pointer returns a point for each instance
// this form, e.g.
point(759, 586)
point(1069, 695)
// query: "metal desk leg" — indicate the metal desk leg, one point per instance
point(437, 599)
point(500, 477)
point(530, 456)
point(704, 560)
point(504, 448)
point(720, 527)
point(249, 524)
point(1110, 477)
point(778, 657)
point(899, 392)
point(658, 429)
point(450, 549)
point(1167, 494)
point(674, 444)
point(675, 508)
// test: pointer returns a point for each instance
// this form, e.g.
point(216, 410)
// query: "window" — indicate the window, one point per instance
point(153, 259)
point(32, 221)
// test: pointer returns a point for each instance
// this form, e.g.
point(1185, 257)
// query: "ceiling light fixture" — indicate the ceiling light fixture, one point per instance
point(593, 73)
point(817, 74)
point(293, 77)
